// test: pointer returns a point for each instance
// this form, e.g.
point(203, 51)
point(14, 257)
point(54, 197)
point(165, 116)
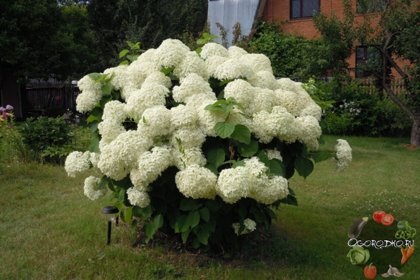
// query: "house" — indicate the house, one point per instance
point(295, 18)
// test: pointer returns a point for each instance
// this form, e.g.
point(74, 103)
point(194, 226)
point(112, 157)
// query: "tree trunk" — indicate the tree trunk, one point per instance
point(415, 132)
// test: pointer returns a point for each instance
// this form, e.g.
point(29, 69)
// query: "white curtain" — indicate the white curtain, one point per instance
point(230, 12)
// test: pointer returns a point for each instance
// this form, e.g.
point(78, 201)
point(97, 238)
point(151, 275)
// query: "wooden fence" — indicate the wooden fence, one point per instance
point(397, 85)
point(48, 98)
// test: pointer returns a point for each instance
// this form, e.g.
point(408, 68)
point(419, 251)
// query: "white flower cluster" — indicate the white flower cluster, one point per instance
point(77, 162)
point(249, 226)
point(92, 188)
point(343, 154)
point(251, 180)
point(173, 135)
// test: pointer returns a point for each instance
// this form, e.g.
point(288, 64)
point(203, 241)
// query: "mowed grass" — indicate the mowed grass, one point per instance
point(50, 230)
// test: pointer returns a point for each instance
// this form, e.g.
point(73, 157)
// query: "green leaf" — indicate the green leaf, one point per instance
point(304, 166)
point(213, 205)
point(124, 62)
point(167, 70)
point(143, 213)
point(290, 199)
point(203, 233)
point(132, 57)
point(95, 76)
point(238, 163)
point(321, 155)
point(104, 183)
point(192, 220)
point(127, 214)
point(93, 118)
point(94, 144)
point(188, 204)
point(212, 168)
point(224, 129)
point(153, 226)
point(248, 150)
point(179, 223)
point(216, 157)
point(184, 236)
point(131, 45)
point(241, 134)
point(276, 167)
point(205, 214)
point(222, 106)
point(106, 88)
point(123, 53)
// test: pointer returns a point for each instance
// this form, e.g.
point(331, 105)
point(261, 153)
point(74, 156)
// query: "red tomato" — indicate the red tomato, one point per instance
point(387, 220)
point(370, 271)
point(378, 215)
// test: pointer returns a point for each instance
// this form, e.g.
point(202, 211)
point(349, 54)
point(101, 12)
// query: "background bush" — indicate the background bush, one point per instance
point(52, 139)
point(291, 56)
point(357, 109)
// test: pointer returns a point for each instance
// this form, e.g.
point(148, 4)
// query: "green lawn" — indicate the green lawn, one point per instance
point(50, 230)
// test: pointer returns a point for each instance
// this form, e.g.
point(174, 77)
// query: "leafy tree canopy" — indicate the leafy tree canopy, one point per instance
point(146, 21)
point(26, 29)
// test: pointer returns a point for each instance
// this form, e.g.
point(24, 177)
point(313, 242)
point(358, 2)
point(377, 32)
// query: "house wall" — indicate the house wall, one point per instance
point(278, 11)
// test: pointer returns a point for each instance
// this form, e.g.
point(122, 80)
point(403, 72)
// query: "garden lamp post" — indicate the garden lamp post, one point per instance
point(110, 212)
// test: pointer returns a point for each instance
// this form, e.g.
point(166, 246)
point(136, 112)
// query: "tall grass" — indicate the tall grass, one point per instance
point(49, 230)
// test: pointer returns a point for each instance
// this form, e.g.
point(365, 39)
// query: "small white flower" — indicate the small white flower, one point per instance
point(236, 52)
point(196, 182)
point(274, 154)
point(213, 49)
point(138, 198)
point(233, 69)
point(76, 163)
point(192, 63)
point(191, 85)
point(152, 164)
point(92, 188)
point(119, 76)
point(171, 52)
point(343, 154)
point(233, 184)
point(249, 226)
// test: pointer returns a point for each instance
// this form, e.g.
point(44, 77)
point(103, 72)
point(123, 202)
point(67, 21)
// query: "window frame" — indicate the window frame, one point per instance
point(301, 10)
point(368, 53)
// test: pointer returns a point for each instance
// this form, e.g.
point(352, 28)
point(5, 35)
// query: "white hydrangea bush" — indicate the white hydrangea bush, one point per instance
point(231, 131)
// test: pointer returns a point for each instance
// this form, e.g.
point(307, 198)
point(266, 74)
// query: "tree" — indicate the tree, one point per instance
point(146, 21)
point(25, 36)
point(74, 43)
point(338, 36)
point(40, 39)
point(398, 40)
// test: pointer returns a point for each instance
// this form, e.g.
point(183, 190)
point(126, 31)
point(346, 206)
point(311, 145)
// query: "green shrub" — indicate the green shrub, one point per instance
point(11, 144)
point(47, 138)
point(291, 56)
point(359, 110)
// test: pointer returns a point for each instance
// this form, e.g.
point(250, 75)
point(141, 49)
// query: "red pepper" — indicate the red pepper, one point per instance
point(370, 271)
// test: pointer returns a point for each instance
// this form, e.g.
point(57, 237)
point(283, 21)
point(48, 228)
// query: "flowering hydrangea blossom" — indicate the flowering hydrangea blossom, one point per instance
point(249, 225)
point(343, 154)
point(172, 134)
point(92, 189)
point(76, 163)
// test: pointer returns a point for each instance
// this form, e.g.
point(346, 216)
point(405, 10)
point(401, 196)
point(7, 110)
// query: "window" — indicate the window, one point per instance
point(303, 8)
point(367, 61)
point(371, 6)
